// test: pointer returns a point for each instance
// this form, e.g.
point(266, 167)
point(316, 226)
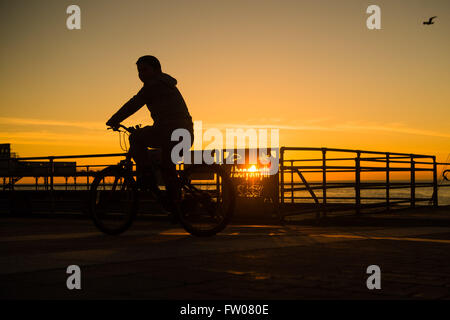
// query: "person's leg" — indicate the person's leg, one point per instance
point(168, 168)
point(139, 141)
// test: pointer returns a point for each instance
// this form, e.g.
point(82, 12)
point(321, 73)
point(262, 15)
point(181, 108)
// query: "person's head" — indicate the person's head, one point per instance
point(148, 67)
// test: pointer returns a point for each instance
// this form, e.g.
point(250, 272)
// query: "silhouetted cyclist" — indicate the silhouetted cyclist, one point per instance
point(169, 112)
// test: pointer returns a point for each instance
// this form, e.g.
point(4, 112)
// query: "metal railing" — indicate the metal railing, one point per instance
point(350, 165)
point(48, 171)
point(327, 178)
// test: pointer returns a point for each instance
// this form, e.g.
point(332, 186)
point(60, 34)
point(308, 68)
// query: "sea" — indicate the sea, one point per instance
point(346, 195)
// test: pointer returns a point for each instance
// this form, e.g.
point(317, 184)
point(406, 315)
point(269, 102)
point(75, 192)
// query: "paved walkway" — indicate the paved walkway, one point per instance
point(155, 260)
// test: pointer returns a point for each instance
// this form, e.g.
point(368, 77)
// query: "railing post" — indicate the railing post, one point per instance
point(388, 183)
point(358, 182)
point(324, 176)
point(51, 173)
point(277, 180)
point(11, 177)
point(87, 177)
point(52, 198)
point(292, 181)
point(281, 172)
point(324, 180)
point(435, 183)
point(413, 182)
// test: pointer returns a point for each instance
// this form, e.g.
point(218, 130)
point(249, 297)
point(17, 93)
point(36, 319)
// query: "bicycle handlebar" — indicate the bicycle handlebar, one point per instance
point(130, 129)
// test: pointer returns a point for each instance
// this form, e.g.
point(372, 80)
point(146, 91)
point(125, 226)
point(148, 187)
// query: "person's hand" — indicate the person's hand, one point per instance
point(113, 125)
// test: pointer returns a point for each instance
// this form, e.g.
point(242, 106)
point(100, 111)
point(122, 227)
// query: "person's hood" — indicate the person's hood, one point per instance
point(167, 79)
point(163, 78)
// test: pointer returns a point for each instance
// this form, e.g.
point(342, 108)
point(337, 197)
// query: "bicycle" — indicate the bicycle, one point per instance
point(205, 208)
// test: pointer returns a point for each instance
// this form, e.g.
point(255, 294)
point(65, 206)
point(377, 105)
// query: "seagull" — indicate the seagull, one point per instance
point(430, 21)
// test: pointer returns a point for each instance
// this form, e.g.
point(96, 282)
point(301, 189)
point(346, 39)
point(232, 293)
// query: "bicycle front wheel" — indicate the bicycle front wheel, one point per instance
point(208, 200)
point(113, 200)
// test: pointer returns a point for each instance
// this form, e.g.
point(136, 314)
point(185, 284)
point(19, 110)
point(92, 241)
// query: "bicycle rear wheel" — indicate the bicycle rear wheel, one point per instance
point(113, 200)
point(207, 200)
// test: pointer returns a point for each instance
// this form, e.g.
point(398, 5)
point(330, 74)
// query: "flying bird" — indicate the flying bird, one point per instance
point(430, 21)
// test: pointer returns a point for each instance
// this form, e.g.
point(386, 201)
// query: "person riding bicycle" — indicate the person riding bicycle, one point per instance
point(169, 112)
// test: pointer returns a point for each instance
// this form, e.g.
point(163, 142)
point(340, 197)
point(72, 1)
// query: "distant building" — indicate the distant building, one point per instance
point(5, 151)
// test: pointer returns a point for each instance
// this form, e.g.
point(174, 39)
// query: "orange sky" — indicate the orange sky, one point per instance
point(310, 68)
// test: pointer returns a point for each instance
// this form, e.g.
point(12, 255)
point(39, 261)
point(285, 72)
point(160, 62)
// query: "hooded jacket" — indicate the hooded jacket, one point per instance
point(164, 101)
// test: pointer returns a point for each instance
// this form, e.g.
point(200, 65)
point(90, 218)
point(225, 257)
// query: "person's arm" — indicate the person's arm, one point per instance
point(133, 105)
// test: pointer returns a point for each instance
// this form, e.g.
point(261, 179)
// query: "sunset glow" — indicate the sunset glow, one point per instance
point(319, 75)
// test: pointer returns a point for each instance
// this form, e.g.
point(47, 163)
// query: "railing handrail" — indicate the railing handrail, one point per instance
point(406, 155)
point(354, 151)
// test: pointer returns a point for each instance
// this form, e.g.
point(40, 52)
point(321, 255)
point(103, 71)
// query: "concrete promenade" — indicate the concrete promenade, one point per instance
point(301, 260)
